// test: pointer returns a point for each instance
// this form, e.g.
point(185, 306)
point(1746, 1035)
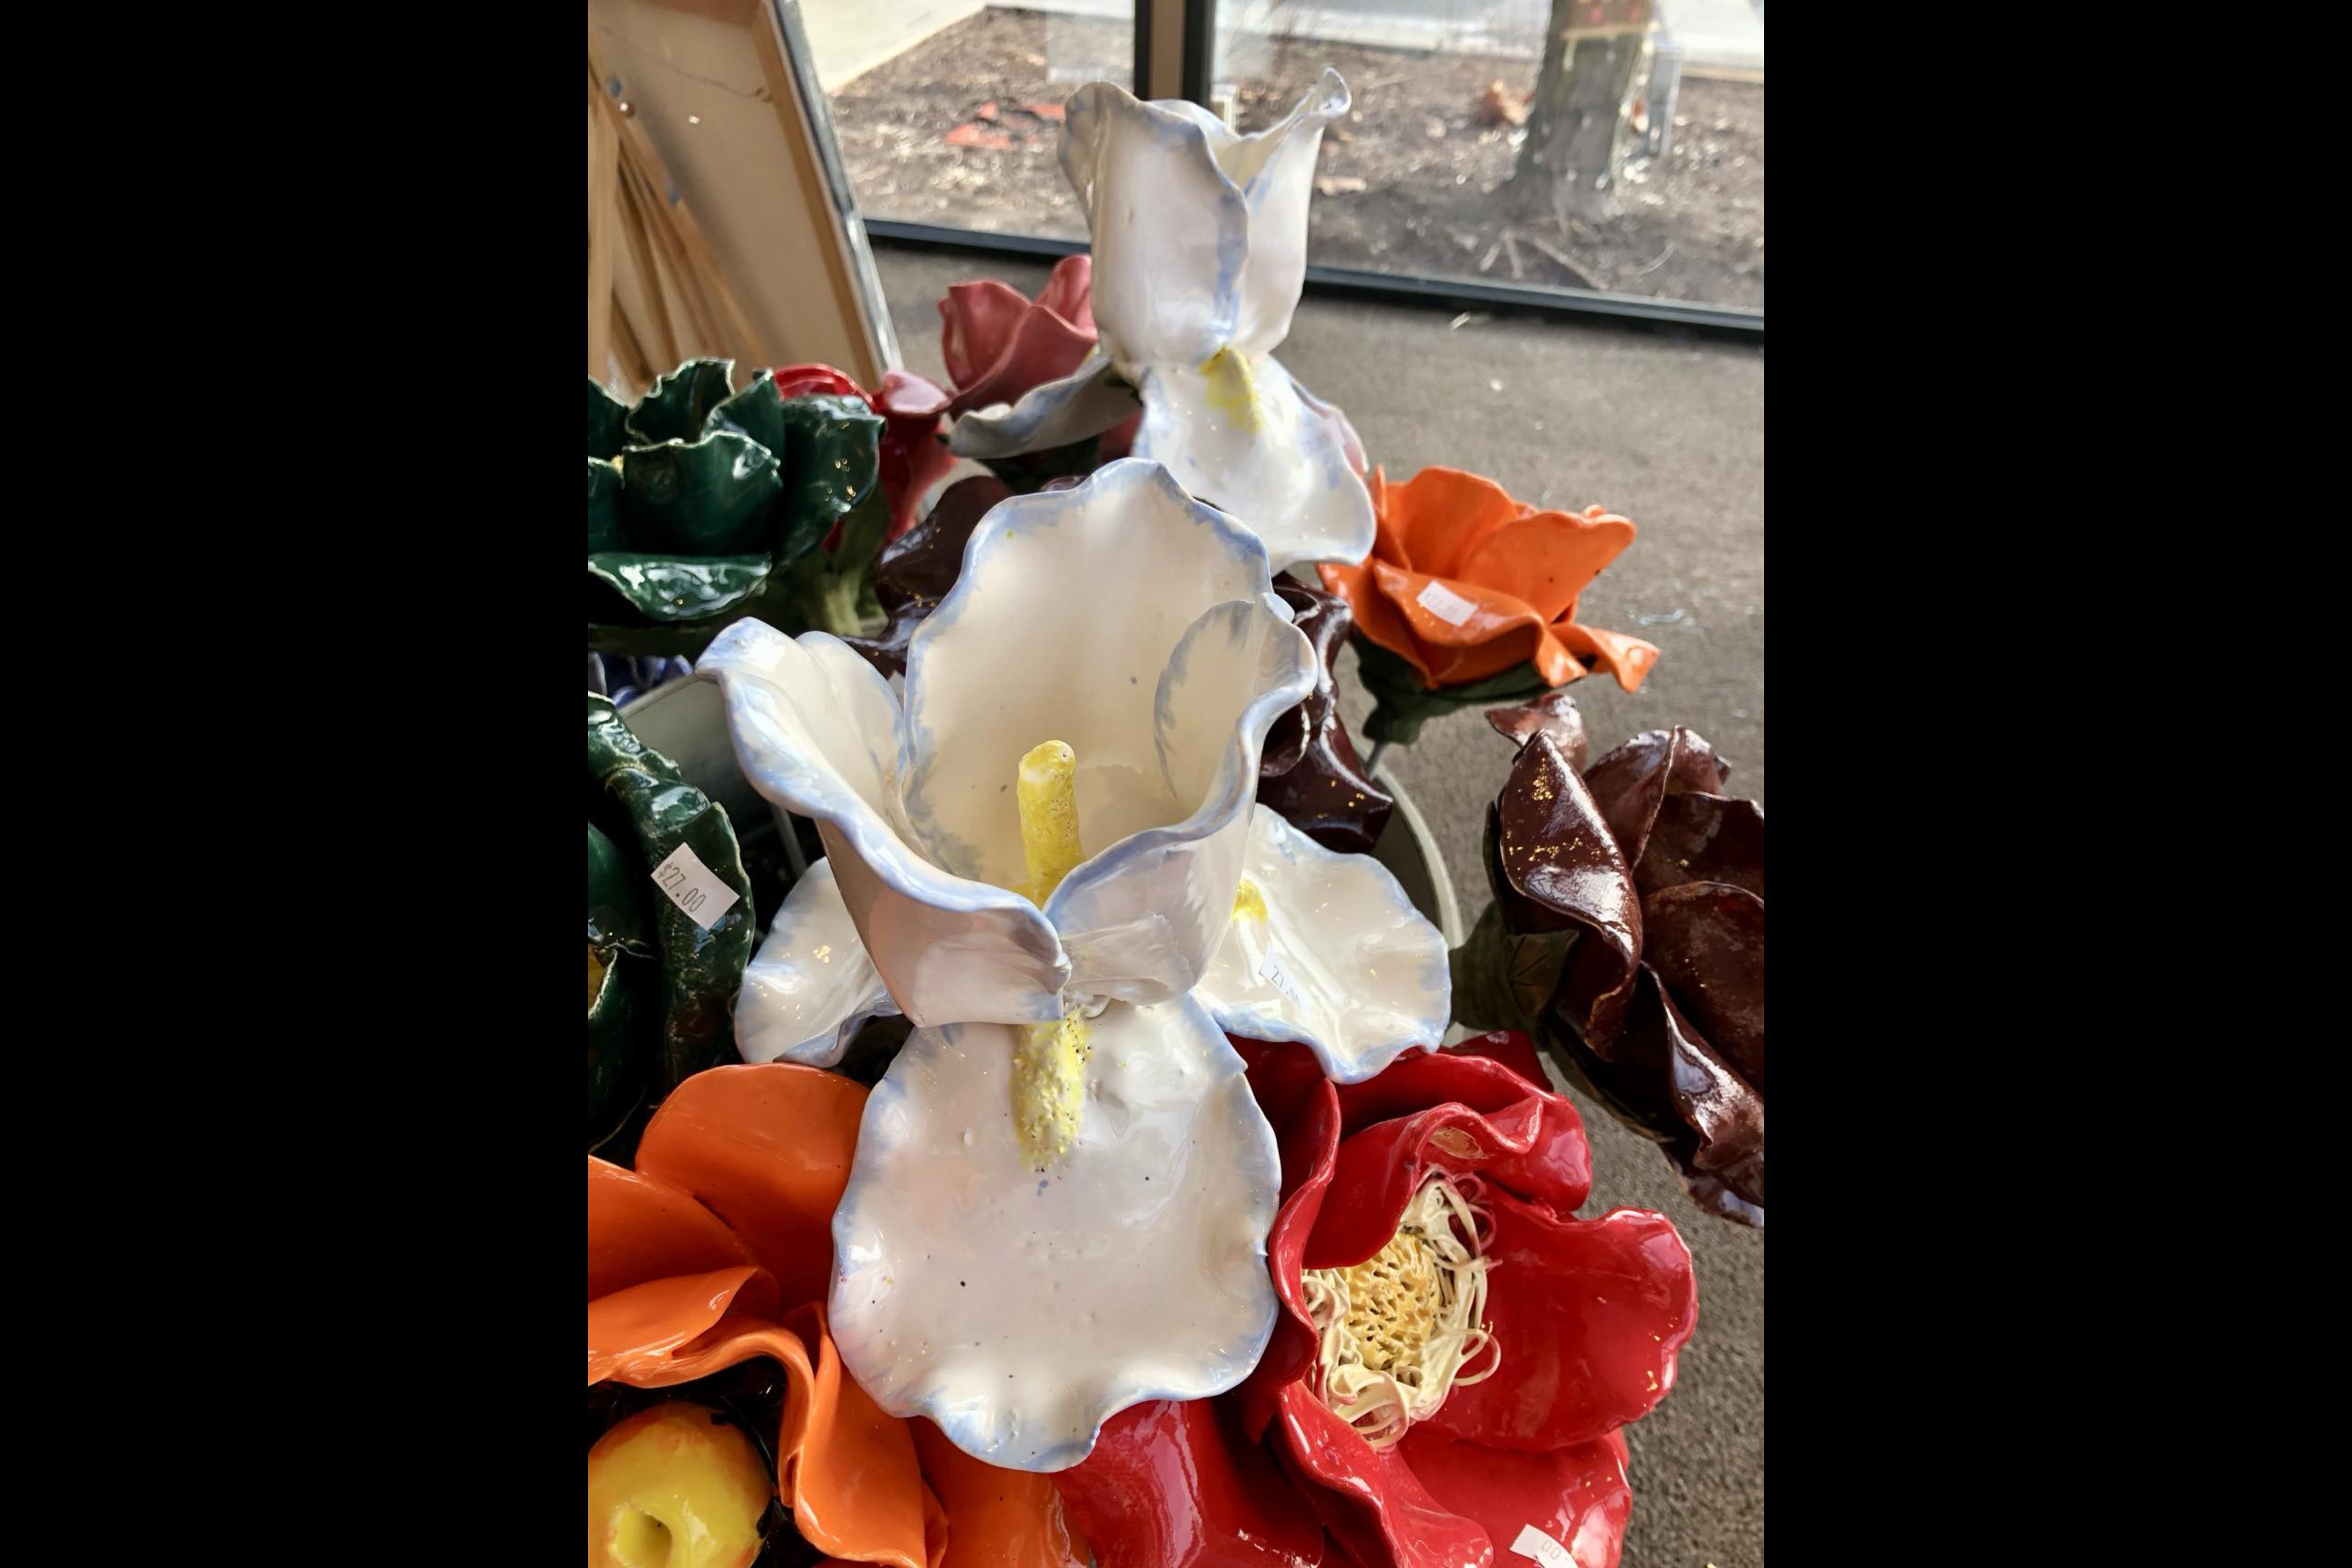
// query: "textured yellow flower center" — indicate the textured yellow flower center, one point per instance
point(1398, 1330)
point(1049, 1077)
point(1249, 904)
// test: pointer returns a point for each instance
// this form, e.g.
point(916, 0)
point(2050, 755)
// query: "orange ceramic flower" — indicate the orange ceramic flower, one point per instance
point(719, 1248)
point(1464, 583)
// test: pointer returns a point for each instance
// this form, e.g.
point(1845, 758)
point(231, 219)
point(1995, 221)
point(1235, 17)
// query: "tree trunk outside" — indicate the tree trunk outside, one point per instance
point(1571, 163)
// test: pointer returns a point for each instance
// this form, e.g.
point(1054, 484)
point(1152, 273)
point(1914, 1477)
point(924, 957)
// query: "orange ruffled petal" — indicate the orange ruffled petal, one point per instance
point(1547, 558)
point(641, 1229)
point(1441, 514)
point(1626, 658)
point(767, 1149)
point(996, 1517)
point(1500, 632)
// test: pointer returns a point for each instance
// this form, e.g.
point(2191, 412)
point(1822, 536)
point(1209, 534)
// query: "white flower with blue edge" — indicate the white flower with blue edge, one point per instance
point(1200, 252)
point(1045, 851)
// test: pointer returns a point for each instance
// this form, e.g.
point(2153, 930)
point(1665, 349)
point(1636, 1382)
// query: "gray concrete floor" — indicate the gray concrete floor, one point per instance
point(1670, 434)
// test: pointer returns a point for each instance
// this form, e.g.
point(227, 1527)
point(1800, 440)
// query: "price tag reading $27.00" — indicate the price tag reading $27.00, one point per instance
point(1446, 603)
point(694, 886)
point(1270, 969)
point(1533, 1543)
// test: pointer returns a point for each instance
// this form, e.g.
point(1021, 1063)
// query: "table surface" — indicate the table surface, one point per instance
point(1666, 431)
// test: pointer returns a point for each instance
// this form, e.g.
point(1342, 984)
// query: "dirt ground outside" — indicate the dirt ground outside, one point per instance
point(961, 130)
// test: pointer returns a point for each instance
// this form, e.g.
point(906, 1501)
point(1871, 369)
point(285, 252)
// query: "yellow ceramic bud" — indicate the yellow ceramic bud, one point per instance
point(678, 1485)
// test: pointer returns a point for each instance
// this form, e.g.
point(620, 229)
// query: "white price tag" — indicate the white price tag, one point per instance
point(693, 888)
point(1270, 969)
point(1533, 1543)
point(1446, 603)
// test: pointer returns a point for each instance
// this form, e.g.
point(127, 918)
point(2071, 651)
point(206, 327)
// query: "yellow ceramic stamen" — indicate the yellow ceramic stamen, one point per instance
point(1049, 1080)
point(1232, 392)
point(1399, 1330)
point(1249, 904)
point(1048, 796)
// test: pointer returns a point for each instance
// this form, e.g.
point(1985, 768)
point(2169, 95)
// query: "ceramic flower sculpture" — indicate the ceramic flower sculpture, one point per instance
point(1043, 849)
point(914, 455)
point(1200, 251)
point(708, 1267)
point(706, 505)
point(1457, 1353)
point(660, 981)
point(1627, 932)
point(921, 566)
point(1311, 774)
point(998, 345)
point(1470, 597)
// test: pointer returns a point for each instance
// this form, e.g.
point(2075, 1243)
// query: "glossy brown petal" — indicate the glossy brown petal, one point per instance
point(1556, 855)
point(1554, 713)
point(1707, 943)
point(1704, 838)
point(921, 564)
point(1629, 782)
point(1309, 771)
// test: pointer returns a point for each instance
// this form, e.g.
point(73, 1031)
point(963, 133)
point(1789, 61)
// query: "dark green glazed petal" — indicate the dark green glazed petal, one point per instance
point(832, 461)
point(642, 791)
point(604, 529)
point(618, 912)
point(757, 412)
point(680, 402)
point(667, 590)
point(713, 497)
point(621, 1029)
point(608, 422)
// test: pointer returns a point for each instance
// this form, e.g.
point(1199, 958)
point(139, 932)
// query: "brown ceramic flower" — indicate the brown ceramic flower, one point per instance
point(1309, 771)
point(1628, 924)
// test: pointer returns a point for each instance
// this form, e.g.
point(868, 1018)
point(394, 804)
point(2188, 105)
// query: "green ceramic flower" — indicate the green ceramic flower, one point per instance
point(661, 988)
point(707, 505)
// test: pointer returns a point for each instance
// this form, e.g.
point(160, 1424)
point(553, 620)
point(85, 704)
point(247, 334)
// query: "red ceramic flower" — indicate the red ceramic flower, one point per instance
point(914, 456)
point(717, 1248)
point(1465, 584)
point(999, 344)
point(1426, 1240)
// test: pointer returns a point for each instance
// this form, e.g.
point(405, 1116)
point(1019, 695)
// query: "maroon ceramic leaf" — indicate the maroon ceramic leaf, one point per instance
point(1309, 771)
point(1704, 838)
point(1565, 870)
point(1706, 940)
point(1629, 782)
point(1554, 713)
point(921, 564)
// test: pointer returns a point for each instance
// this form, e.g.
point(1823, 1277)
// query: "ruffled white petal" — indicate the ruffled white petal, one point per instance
point(1141, 920)
point(1276, 169)
point(1170, 231)
point(1070, 604)
point(1089, 401)
point(1275, 461)
point(1021, 1311)
point(811, 987)
point(815, 731)
point(1342, 961)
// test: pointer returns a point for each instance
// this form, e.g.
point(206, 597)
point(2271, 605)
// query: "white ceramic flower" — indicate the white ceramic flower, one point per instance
point(1199, 250)
point(1063, 1185)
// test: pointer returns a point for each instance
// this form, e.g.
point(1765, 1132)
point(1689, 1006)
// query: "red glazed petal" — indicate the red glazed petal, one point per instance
point(998, 344)
point(1174, 1484)
point(1465, 1114)
point(1069, 293)
point(1576, 1495)
point(768, 1149)
point(1590, 1314)
point(1370, 1499)
point(1300, 1106)
point(800, 380)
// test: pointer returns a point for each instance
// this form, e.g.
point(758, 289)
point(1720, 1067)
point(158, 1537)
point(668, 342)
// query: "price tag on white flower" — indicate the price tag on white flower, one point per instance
point(1446, 603)
point(1270, 969)
point(1534, 1544)
point(694, 886)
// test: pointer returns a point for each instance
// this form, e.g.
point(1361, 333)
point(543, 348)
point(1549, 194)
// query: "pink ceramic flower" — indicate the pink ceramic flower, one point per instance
point(999, 343)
